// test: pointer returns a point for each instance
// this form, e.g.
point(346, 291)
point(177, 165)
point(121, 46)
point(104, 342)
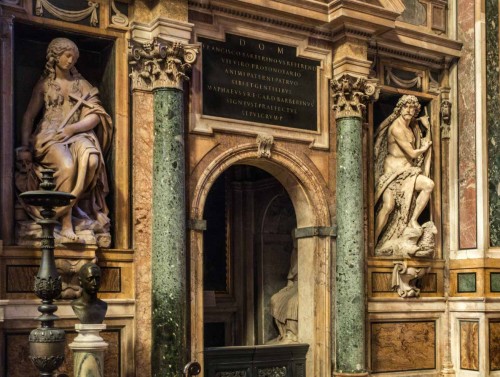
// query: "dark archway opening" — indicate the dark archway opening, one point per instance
point(246, 255)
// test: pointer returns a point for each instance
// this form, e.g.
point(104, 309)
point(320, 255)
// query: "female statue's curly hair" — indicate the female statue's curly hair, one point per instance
point(56, 48)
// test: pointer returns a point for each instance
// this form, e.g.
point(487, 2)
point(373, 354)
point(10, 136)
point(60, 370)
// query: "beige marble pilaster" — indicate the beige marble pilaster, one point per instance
point(142, 167)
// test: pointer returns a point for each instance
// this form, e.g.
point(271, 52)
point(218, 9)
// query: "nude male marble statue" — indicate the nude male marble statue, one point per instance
point(403, 187)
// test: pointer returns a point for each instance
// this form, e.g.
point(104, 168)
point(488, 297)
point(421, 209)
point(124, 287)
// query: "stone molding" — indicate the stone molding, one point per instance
point(351, 94)
point(160, 63)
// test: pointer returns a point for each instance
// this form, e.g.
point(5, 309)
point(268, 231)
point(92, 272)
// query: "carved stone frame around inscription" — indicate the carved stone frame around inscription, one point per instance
point(204, 124)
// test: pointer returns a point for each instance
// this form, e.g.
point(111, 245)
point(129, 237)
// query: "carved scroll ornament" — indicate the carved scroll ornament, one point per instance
point(160, 63)
point(118, 18)
point(351, 94)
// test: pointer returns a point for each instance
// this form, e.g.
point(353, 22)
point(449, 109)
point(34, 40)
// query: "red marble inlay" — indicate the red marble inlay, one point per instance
point(466, 128)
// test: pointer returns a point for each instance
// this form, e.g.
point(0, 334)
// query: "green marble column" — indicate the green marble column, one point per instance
point(168, 260)
point(350, 285)
point(350, 95)
point(172, 60)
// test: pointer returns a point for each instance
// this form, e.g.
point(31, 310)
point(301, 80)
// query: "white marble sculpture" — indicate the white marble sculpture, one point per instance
point(72, 137)
point(285, 305)
point(403, 187)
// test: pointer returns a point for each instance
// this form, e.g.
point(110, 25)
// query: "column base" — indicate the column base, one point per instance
point(353, 374)
point(446, 372)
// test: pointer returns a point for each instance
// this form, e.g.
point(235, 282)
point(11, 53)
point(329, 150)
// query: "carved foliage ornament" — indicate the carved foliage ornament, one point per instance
point(47, 363)
point(272, 372)
point(351, 94)
point(47, 288)
point(160, 63)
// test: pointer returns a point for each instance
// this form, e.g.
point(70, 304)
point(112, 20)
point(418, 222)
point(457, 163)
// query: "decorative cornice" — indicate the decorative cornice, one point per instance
point(261, 19)
point(351, 94)
point(160, 63)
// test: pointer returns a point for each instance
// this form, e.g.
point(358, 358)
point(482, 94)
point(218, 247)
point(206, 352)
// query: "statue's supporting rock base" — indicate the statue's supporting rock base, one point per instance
point(88, 351)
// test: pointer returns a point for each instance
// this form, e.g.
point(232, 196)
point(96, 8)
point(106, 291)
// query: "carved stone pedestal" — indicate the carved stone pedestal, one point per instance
point(88, 350)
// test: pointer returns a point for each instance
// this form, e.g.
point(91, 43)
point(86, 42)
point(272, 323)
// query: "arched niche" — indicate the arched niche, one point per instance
point(314, 253)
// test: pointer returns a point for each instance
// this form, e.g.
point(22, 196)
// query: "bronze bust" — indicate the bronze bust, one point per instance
point(88, 308)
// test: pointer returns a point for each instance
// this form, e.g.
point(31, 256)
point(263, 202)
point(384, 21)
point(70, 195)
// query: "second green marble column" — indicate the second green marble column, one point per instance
point(350, 286)
point(168, 354)
point(350, 97)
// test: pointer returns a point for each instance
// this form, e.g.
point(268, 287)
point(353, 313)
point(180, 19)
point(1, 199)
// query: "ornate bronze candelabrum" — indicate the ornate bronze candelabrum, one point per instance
point(47, 342)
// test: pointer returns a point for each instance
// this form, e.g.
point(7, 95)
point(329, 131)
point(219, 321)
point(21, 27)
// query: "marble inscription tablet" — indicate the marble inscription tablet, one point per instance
point(260, 82)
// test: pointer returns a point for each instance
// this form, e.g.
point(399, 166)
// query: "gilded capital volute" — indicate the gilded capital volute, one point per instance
point(350, 95)
point(160, 63)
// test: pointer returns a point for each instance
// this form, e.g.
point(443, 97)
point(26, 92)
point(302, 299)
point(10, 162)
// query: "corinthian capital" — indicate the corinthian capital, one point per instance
point(351, 94)
point(160, 63)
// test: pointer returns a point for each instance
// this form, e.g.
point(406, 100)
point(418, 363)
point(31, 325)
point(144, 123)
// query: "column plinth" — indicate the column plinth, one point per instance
point(88, 350)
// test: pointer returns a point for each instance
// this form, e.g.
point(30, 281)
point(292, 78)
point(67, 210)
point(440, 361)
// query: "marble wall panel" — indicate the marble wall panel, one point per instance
point(403, 346)
point(382, 282)
point(415, 13)
point(19, 365)
point(469, 345)
point(111, 279)
point(493, 118)
point(21, 279)
point(466, 282)
point(494, 345)
point(466, 107)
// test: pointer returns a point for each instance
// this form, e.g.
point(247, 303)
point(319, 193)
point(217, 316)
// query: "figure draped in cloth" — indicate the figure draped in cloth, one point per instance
point(403, 187)
point(71, 138)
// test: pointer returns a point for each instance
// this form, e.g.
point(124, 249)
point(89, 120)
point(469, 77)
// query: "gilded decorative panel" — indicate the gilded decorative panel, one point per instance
point(21, 279)
point(111, 279)
point(469, 345)
point(403, 346)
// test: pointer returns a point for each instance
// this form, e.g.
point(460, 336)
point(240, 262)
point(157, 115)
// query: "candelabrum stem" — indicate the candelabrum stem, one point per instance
point(47, 342)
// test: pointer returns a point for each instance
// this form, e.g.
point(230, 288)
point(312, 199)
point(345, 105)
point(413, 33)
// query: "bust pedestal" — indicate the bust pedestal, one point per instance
point(88, 350)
